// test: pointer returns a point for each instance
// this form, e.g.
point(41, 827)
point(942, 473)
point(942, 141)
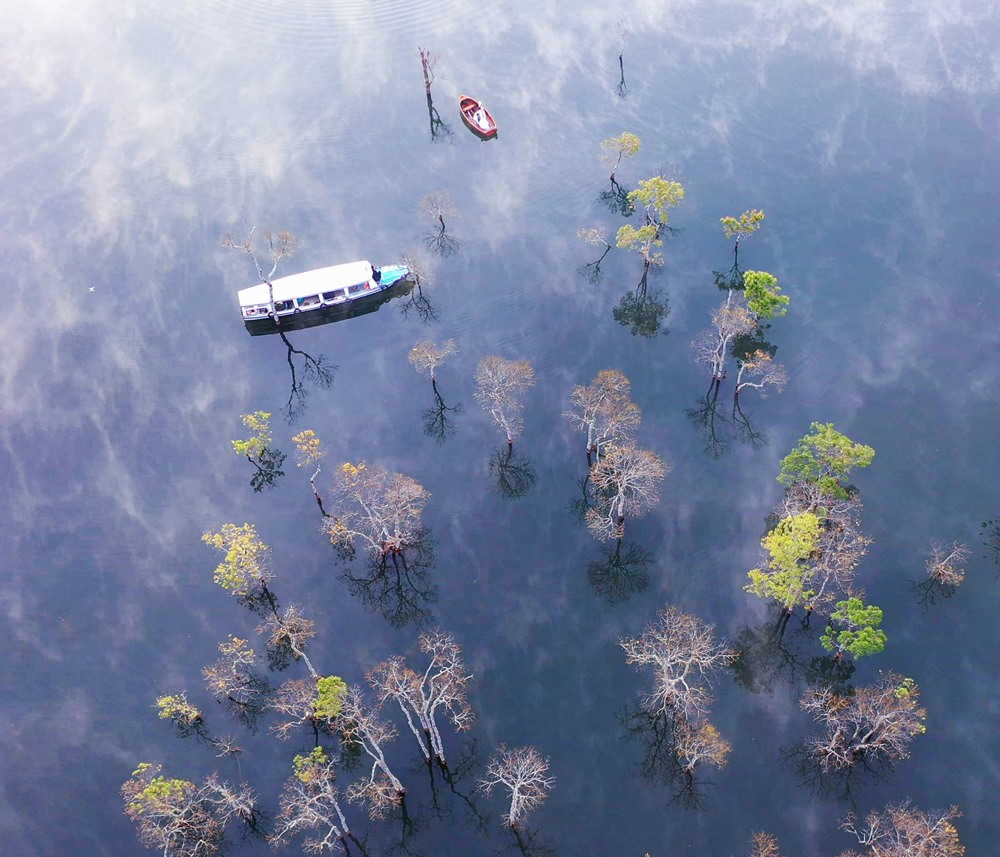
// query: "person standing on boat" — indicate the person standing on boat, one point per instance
point(376, 275)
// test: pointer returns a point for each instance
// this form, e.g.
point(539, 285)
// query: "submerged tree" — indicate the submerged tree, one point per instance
point(739, 228)
point(375, 507)
point(764, 845)
point(613, 150)
point(428, 62)
point(596, 236)
point(605, 411)
point(315, 371)
point(258, 451)
point(361, 726)
point(434, 207)
point(310, 804)
point(873, 725)
point(946, 563)
point(425, 357)
point(621, 25)
point(763, 295)
point(500, 388)
point(523, 773)
point(758, 371)
point(233, 680)
point(684, 654)
point(623, 482)
point(180, 818)
point(854, 629)
point(418, 298)
point(246, 570)
point(901, 830)
point(945, 570)
point(730, 320)
point(441, 687)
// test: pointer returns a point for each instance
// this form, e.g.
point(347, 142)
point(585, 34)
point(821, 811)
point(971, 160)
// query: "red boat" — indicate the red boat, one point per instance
point(478, 119)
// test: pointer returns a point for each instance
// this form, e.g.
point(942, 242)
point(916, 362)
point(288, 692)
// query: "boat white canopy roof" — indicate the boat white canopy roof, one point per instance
point(308, 283)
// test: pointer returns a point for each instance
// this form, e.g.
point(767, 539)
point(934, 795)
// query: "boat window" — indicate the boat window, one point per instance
point(312, 300)
point(282, 306)
point(353, 290)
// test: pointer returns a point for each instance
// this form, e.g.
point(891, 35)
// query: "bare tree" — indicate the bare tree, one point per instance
point(605, 411)
point(596, 236)
point(758, 371)
point(522, 771)
point(420, 696)
point(500, 388)
point(380, 509)
point(945, 563)
point(418, 299)
point(625, 481)
point(875, 724)
point(684, 653)
point(287, 635)
point(180, 818)
point(699, 742)
point(426, 356)
point(730, 319)
point(381, 789)
point(295, 703)
point(310, 802)
point(279, 246)
point(622, 26)
point(434, 207)
point(232, 679)
point(900, 830)
point(764, 845)
point(429, 61)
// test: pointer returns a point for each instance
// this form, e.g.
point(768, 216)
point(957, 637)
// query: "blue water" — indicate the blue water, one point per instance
point(135, 138)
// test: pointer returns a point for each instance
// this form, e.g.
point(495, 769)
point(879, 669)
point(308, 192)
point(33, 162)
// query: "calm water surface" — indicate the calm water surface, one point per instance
point(135, 136)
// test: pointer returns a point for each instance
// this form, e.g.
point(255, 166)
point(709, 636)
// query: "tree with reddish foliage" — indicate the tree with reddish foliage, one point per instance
point(500, 388)
point(375, 507)
point(441, 687)
point(764, 845)
point(730, 320)
point(605, 411)
point(624, 482)
point(875, 724)
point(900, 830)
point(523, 772)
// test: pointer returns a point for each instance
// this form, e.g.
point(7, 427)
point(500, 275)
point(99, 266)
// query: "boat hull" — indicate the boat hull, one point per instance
point(470, 108)
point(317, 316)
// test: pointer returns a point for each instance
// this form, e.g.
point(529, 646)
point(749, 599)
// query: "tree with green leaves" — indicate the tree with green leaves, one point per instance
point(258, 451)
point(310, 803)
point(787, 575)
point(613, 150)
point(824, 458)
point(763, 294)
point(854, 630)
point(181, 818)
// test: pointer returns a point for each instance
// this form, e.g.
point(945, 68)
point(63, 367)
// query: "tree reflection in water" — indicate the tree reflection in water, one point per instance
point(512, 473)
point(397, 585)
point(621, 573)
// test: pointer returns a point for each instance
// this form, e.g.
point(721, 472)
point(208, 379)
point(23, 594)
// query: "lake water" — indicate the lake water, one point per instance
point(135, 136)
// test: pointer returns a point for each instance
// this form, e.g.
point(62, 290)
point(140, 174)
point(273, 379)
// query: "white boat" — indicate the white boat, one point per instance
point(300, 300)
